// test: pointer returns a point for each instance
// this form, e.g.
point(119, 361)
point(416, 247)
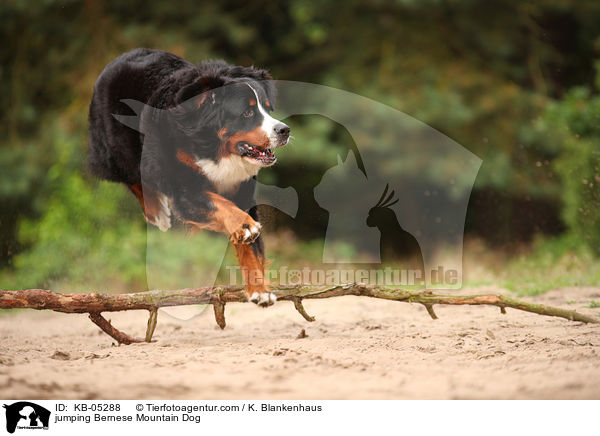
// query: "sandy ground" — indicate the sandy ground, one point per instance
point(358, 348)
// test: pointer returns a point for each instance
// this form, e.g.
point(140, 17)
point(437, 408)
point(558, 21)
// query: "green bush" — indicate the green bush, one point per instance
point(86, 235)
point(91, 236)
point(575, 123)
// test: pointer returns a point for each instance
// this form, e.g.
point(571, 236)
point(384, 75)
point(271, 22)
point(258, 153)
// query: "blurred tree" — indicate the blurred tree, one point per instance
point(481, 72)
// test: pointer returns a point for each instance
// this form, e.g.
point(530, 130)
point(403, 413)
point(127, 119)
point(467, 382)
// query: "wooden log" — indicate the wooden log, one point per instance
point(94, 303)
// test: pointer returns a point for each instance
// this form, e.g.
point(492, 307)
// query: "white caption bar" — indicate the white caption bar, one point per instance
point(46, 417)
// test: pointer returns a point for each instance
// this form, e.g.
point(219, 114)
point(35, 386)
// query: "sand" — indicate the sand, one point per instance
point(358, 348)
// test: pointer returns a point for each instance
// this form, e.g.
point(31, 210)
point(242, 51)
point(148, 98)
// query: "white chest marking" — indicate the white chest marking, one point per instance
point(229, 172)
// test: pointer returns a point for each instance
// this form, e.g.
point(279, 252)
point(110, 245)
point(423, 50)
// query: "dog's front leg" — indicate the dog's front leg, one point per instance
point(244, 233)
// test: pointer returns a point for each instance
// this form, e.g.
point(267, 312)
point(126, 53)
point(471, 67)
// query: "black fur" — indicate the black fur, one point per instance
point(178, 115)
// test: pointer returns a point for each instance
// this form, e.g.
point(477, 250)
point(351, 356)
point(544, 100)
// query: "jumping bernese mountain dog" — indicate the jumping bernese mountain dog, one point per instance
point(197, 146)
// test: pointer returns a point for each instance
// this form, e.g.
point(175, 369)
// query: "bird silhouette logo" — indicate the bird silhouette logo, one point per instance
point(395, 243)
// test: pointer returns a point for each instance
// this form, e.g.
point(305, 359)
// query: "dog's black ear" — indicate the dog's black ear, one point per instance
point(248, 72)
point(264, 74)
point(264, 78)
point(196, 94)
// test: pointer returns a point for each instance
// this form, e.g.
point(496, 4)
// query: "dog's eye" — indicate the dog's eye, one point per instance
point(249, 113)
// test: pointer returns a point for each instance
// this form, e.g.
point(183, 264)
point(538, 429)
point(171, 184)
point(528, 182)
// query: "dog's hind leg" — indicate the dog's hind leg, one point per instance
point(155, 206)
point(255, 263)
point(252, 264)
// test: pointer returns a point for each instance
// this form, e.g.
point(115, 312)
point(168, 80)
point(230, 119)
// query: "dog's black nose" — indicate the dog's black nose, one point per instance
point(282, 129)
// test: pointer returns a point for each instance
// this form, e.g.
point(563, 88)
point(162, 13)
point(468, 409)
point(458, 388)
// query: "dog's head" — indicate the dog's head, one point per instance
point(231, 107)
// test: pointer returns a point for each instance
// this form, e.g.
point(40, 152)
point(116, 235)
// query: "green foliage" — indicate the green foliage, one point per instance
point(84, 237)
point(575, 122)
point(92, 236)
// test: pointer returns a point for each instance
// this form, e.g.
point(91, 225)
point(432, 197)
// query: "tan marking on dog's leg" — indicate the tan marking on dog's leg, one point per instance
point(253, 271)
point(230, 219)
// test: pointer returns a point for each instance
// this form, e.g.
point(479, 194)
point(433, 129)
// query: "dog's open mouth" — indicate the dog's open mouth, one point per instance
point(259, 154)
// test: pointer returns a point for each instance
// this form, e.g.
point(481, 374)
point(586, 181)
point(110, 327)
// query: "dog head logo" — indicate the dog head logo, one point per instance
point(26, 415)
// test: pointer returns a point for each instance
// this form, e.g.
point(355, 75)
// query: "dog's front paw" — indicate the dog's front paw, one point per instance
point(246, 234)
point(263, 299)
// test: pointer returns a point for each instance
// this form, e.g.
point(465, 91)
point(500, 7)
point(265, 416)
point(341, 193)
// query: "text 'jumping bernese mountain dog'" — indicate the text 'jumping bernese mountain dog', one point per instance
point(193, 152)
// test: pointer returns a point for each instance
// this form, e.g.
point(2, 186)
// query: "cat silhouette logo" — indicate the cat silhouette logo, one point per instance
point(26, 415)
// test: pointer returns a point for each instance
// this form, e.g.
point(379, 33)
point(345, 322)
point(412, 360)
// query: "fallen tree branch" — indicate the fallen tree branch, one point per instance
point(300, 308)
point(107, 328)
point(95, 303)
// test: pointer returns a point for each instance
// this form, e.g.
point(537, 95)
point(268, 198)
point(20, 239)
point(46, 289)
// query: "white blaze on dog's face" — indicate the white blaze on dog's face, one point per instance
point(277, 132)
